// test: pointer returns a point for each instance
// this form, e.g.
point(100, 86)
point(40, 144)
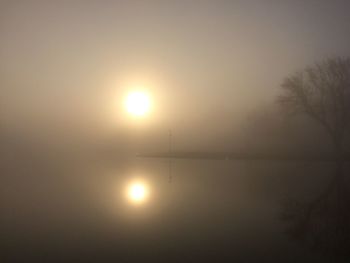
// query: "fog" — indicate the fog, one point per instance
point(65, 66)
point(213, 70)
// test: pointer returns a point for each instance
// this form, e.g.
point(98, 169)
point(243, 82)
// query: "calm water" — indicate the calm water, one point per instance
point(212, 211)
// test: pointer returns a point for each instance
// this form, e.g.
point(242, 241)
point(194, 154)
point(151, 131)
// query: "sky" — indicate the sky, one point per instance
point(66, 65)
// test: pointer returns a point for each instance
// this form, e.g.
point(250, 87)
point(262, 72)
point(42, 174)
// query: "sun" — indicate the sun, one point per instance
point(137, 192)
point(138, 103)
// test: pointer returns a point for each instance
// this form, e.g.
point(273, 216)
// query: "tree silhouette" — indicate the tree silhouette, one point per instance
point(322, 92)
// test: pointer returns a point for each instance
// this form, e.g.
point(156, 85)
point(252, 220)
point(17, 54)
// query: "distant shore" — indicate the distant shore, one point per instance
point(310, 157)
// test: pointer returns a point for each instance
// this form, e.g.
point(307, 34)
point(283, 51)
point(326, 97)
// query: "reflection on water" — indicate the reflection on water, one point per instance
point(322, 223)
point(138, 192)
point(211, 211)
point(234, 204)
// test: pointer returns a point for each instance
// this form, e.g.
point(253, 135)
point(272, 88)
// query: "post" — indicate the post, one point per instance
point(170, 152)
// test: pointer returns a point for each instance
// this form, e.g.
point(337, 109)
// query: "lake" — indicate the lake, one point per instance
point(211, 211)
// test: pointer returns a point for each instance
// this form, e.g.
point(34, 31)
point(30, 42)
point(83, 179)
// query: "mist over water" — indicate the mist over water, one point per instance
point(75, 208)
point(236, 178)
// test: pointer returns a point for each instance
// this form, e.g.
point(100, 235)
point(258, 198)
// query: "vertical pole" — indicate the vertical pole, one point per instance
point(170, 152)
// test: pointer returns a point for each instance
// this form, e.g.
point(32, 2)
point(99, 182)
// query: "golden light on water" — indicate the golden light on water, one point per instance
point(138, 192)
point(138, 103)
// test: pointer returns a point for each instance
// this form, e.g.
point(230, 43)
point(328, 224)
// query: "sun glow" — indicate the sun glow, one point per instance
point(137, 192)
point(137, 103)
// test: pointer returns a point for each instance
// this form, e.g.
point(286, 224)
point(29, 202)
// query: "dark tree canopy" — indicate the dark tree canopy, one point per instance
point(322, 91)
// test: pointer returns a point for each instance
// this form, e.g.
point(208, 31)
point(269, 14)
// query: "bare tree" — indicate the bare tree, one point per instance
point(322, 92)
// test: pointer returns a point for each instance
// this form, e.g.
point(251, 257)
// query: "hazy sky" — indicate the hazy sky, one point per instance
point(68, 63)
